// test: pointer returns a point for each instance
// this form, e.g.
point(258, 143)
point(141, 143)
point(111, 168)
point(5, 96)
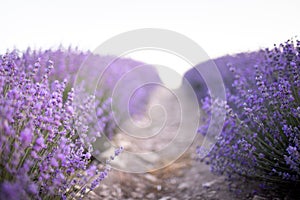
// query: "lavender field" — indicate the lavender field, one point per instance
point(51, 146)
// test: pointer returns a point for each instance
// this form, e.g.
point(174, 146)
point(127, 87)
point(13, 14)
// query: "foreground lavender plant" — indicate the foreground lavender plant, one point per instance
point(41, 154)
point(260, 139)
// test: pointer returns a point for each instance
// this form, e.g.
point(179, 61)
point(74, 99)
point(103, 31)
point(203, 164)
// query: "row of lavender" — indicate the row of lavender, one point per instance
point(260, 138)
point(42, 155)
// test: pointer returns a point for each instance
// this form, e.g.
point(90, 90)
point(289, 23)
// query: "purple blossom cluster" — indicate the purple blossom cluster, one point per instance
point(41, 153)
point(68, 62)
point(260, 137)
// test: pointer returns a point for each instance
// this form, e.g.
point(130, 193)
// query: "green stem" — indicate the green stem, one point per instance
point(27, 151)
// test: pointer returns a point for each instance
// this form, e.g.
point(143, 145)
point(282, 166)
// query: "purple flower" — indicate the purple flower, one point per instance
point(26, 136)
point(13, 191)
point(53, 162)
point(39, 144)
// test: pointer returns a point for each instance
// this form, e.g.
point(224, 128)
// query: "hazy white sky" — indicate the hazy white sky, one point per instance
point(218, 26)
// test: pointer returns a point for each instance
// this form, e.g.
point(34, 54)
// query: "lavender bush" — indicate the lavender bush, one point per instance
point(241, 60)
point(68, 62)
point(260, 139)
point(42, 155)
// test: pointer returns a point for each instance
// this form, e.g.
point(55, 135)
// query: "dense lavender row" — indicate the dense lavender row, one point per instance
point(41, 153)
point(241, 60)
point(260, 139)
point(68, 62)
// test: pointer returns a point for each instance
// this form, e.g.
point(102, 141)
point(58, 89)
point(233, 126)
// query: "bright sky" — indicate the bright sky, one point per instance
point(218, 26)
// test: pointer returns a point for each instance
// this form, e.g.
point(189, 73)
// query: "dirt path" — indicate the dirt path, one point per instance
point(186, 178)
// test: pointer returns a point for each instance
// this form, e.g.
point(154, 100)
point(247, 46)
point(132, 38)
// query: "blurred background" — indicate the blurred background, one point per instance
point(219, 27)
